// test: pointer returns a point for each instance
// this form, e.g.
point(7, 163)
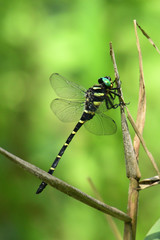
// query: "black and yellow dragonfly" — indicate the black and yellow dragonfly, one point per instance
point(87, 106)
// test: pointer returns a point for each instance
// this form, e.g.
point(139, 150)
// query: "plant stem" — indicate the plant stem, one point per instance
point(130, 228)
point(66, 188)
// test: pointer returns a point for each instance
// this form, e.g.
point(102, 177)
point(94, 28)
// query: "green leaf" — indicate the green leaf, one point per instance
point(154, 232)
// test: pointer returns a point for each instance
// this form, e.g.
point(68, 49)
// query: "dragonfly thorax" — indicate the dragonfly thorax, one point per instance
point(94, 97)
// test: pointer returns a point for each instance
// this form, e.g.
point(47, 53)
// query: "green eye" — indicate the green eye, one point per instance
point(106, 81)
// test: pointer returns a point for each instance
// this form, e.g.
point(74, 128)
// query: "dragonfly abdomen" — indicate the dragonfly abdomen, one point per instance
point(61, 152)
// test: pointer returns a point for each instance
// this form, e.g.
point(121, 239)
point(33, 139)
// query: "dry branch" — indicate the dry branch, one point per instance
point(148, 37)
point(132, 168)
point(66, 188)
point(141, 112)
point(130, 118)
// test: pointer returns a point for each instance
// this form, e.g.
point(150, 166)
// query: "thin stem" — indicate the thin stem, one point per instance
point(141, 112)
point(130, 118)
point(132, 169)
point(66, 188)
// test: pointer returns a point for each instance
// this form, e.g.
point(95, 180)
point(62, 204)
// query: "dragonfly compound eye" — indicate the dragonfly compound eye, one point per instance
point(107, 81)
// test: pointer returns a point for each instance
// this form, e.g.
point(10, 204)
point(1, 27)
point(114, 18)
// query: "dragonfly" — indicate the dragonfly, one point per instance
point(88, 107)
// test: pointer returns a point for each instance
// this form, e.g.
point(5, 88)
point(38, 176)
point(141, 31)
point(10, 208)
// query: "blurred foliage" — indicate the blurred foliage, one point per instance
point(72, 38)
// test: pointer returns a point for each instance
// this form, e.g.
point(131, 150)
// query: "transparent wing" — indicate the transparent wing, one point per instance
point(101, 124)
point(102, 108)
point(65, 88)
point(67, 111)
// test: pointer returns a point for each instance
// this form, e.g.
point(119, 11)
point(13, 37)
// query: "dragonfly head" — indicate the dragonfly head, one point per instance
point(106, 81)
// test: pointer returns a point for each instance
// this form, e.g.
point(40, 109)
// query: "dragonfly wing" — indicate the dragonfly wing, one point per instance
point(102, 108)
point(67, 111)
point(65, 88)
point(101, 124)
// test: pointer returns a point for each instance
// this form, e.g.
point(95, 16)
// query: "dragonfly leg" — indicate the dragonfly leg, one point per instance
point(109, 103)
point(115, 93)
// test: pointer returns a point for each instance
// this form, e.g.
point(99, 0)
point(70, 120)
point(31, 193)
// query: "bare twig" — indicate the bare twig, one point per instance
point(147, 36)
point(142, 141)
point(139, 125)
point(141, 112)
point(131, 163)
point(132, 168)
point(149, 182)
point(133, 195)
point(66, 188)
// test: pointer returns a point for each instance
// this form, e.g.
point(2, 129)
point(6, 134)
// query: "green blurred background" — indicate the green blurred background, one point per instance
point(72, 38)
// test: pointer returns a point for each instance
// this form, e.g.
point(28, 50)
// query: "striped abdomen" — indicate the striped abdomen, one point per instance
point(94, 97)
point(61, 152)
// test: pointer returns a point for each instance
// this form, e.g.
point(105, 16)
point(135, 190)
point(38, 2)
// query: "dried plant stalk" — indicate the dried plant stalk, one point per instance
point(66, 188)
point(132, 169)
point(141, 112)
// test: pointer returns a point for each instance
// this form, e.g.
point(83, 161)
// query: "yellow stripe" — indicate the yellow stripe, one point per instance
point(73, 132)
point(52, 168)
point(86, 111)
point(89, 112)
point(81, 121)
point(96, 88)
point(58, 156)
point(96, 103)
point(66, 144)
point(98, 94)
